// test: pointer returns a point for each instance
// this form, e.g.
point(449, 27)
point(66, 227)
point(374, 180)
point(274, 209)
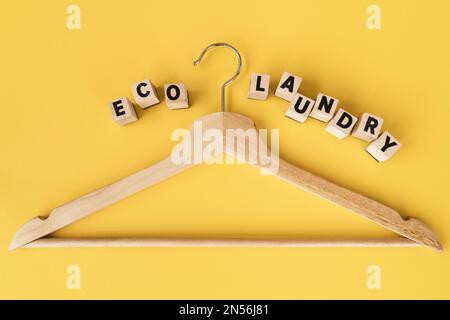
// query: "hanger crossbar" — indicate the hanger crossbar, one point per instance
point(50, 242)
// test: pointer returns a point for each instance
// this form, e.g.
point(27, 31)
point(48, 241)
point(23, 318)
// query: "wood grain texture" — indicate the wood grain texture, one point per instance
point(66, 214)
point(180, 242)
point(411, 228)
point(77, 209)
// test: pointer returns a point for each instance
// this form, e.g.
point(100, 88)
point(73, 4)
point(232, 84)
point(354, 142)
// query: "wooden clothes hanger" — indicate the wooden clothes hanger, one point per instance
point(33, 233)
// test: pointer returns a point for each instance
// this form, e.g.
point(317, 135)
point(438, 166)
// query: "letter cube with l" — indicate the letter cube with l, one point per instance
point(259, 86)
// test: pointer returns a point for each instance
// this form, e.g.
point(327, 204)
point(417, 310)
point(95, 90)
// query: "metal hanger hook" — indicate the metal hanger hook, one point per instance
point(222, 44)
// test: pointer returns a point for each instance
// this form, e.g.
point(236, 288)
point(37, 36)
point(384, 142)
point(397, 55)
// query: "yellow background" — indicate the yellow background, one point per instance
point(58, 142)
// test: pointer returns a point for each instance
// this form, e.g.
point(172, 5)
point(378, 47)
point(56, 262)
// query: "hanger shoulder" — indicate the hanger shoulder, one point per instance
point(411, 228)
point(77, 209)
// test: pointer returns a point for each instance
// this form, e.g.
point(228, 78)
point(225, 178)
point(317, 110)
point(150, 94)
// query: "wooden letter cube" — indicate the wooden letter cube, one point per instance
point(384, 147)
point(288, 86)
point(342, 123)
point(144, 94)
point(324, 107)
point(368, 127)
point(122, 111)
point(176, 96)
point(299, 108)
point(259, 86)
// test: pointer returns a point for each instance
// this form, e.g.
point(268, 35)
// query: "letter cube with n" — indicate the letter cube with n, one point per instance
point(324, 107)
point(144, 94)
point(384, 147)
point(176, 96)
point(122, 111)
point(259, 86)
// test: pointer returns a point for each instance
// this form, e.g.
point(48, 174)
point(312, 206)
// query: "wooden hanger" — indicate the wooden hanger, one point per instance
point(33, 233)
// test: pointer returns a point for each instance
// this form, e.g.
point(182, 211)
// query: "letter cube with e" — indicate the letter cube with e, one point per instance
point(384, 147)
point(259, 86)
point(288, 86)
point(324, 107)
point(176, 96)
point(368, 127)
point(144, 94)
point(122, 111)
point(299, 108)
point(342, 123)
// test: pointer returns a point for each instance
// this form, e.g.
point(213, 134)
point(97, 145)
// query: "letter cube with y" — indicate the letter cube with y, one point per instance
point(176, 96)
point(144, 94)
point(259, 86)
point(299, 108)
point(288, 86)
point(122, 111)
point(342, 123)
point(368, 127)
point(384, 147)
point(324, 107)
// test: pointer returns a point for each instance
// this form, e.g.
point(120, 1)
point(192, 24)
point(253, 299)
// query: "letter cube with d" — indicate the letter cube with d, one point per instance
point(341, 125)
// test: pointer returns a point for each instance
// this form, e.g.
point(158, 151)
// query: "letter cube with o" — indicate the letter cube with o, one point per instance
point(176, 96)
